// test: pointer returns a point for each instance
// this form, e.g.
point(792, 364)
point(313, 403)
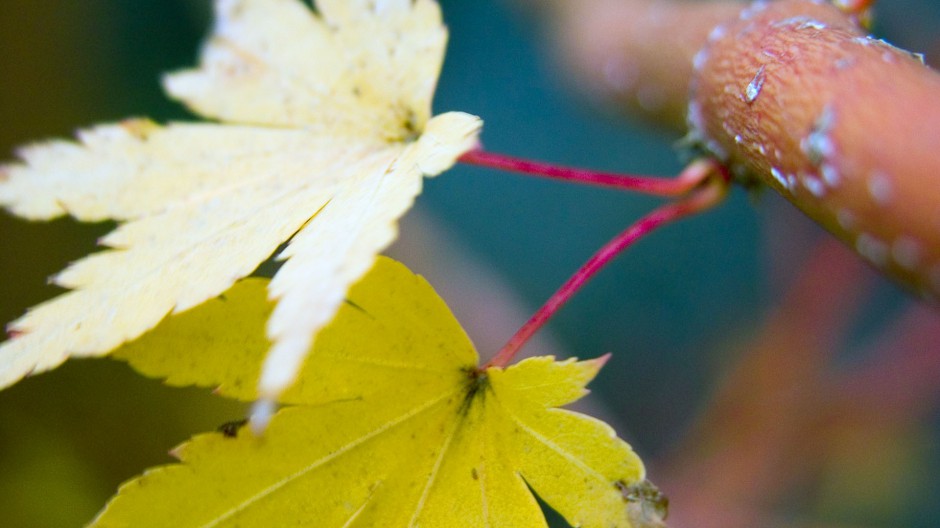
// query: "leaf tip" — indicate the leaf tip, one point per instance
point(139, 127)
point(176, 452)
point(593, 366)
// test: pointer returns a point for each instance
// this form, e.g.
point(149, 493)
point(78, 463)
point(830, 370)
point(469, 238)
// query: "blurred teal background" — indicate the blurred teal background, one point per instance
point(671, 310)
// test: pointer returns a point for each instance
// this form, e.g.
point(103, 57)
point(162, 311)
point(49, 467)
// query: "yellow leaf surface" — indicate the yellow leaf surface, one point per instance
point(326, 134)
point(394, 427)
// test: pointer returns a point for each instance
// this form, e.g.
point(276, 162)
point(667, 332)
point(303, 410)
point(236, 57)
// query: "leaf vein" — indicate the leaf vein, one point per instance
point(244, 505)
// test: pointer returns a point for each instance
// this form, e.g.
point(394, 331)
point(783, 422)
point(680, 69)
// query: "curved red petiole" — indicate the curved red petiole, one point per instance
point(710, 193)
point(690, 178)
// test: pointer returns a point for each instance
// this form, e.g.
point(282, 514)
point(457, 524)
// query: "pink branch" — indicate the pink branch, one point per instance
point(791, 94)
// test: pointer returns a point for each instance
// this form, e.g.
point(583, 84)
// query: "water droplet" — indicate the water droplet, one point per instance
point(801, 22)
point(757, 83)
point(906, 252)
point(872, 249)
point(814, 186)
point(844, 63)
point(813, 24)
point(830, 175)
point(717, 32)
point(846, 219)
point(695, 119)
point(775, 172)
point(818, 144)
point(698, 62)
point(880, 188)
point(754, 9)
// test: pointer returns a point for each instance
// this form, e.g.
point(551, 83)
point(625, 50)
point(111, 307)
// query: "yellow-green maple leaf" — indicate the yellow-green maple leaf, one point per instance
point(393, 427)
point(327, 133)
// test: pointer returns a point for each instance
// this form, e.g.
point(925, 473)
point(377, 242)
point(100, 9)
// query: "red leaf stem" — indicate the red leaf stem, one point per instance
point(692, 176)
point(702, 199)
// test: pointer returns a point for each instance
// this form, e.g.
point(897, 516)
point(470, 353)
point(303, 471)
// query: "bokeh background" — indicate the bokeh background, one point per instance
point(681, 312)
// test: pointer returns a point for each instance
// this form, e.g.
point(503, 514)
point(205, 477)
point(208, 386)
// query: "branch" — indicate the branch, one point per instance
point(789, 94)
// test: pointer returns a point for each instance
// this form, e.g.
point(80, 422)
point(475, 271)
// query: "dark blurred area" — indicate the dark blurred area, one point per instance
point(685, 313)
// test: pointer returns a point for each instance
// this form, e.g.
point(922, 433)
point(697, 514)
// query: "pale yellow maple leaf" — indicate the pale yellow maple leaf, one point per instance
point(326, 135)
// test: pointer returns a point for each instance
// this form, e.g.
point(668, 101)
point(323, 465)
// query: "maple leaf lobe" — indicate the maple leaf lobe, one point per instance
point(295, 157)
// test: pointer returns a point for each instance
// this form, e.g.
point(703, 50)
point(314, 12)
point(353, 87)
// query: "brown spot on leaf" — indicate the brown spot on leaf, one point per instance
point(646, 502)
point(230, 429)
